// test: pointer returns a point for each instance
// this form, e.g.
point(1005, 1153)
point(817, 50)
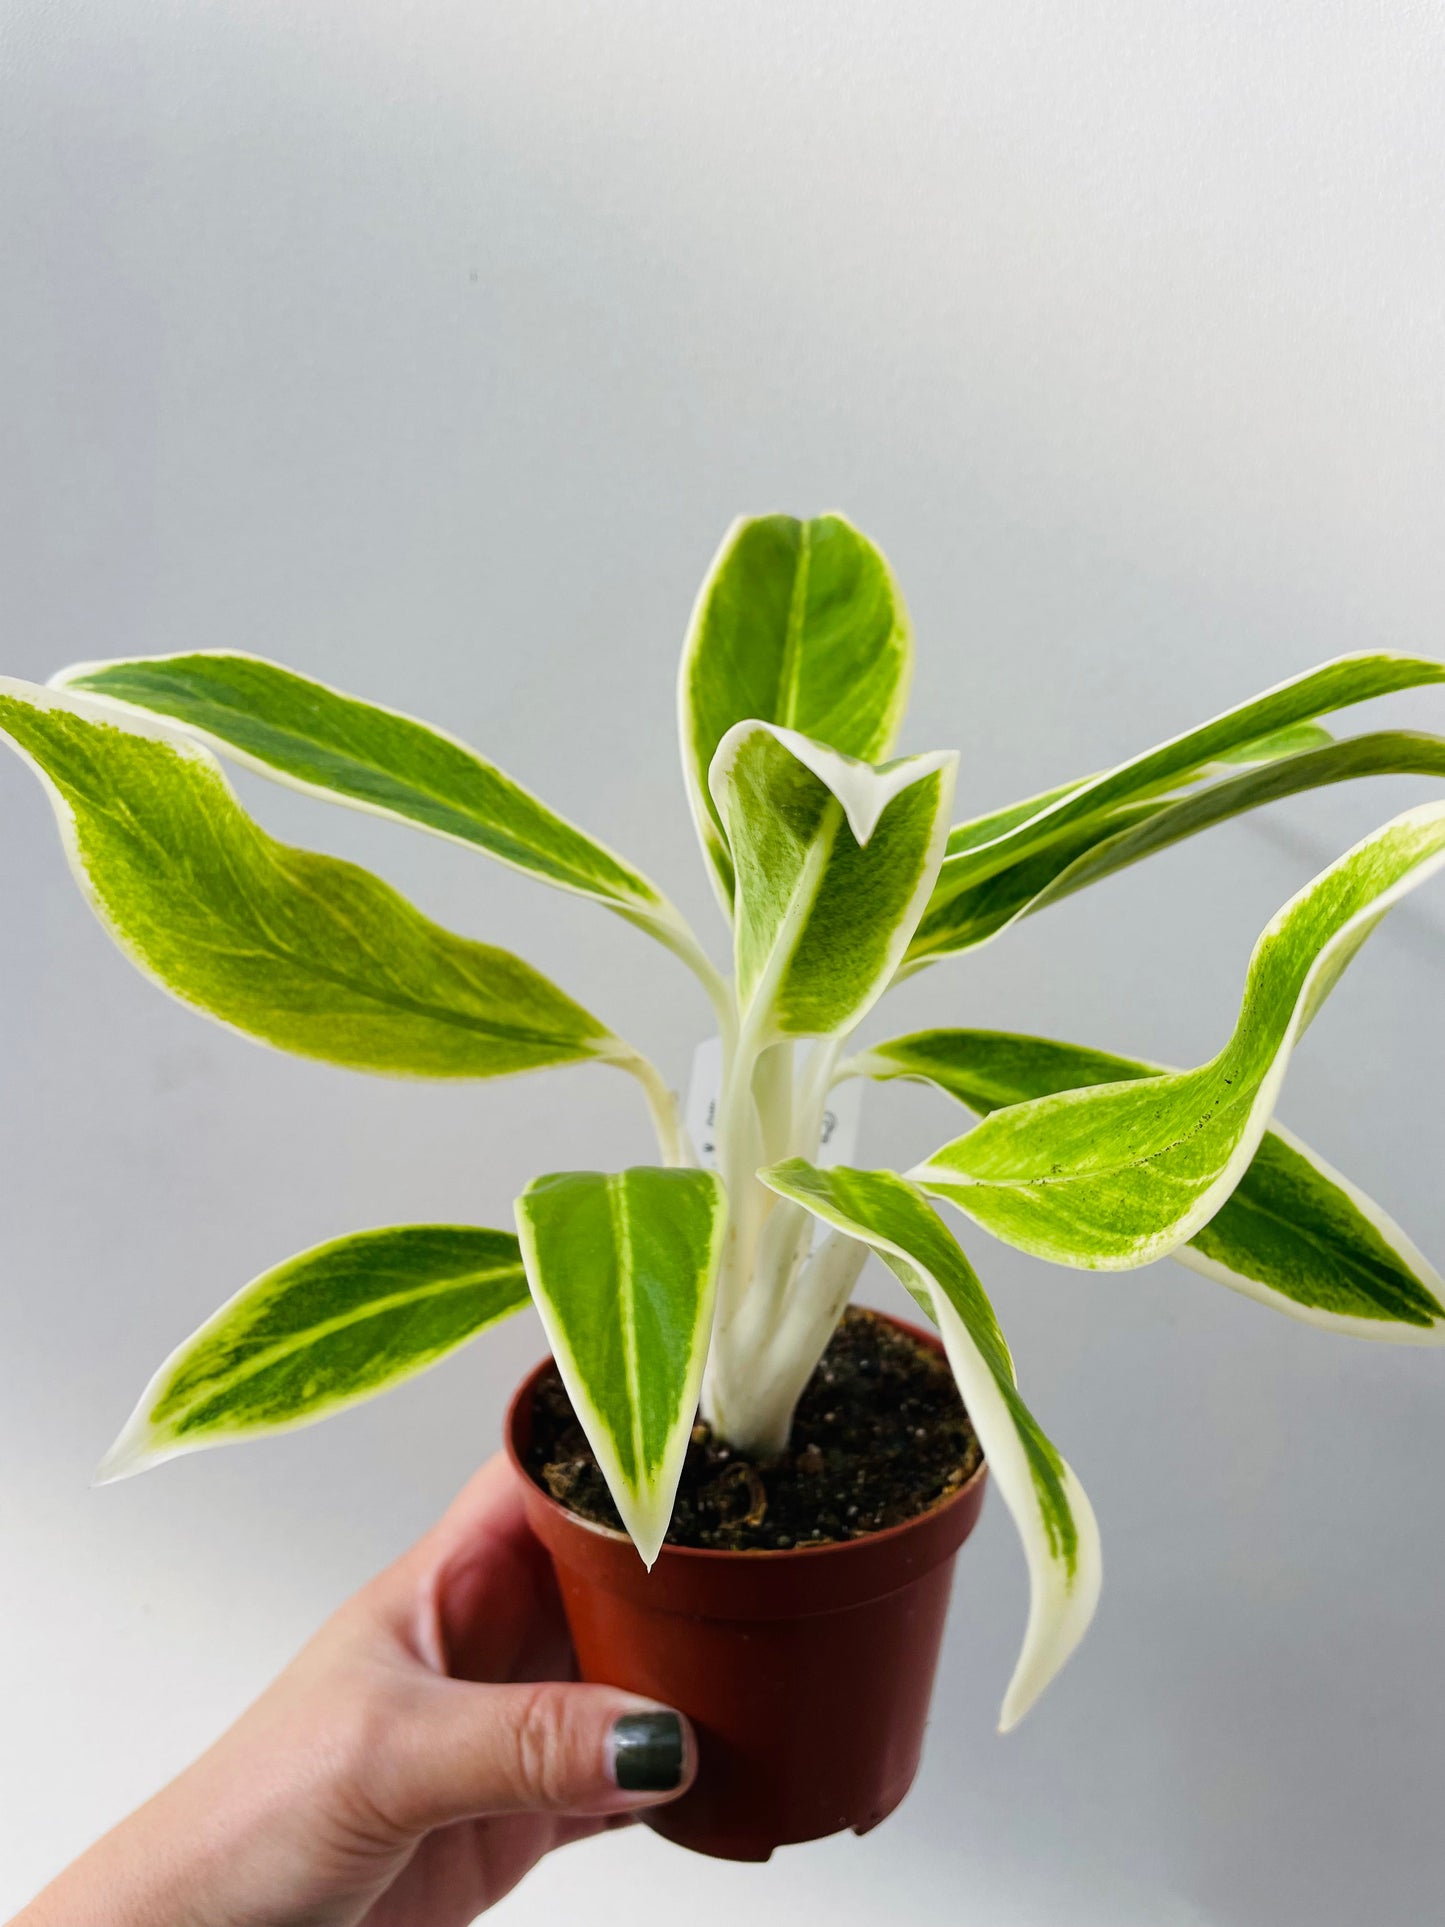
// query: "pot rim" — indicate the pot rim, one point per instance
point(700, 1557)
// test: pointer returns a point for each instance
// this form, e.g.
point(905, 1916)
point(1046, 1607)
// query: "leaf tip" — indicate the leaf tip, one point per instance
point(1015, 1705)
point(137, 1447)
point(647, 1530)
point(124, 1460)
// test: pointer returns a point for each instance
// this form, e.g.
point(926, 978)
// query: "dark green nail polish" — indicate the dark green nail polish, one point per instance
point(647, 1752)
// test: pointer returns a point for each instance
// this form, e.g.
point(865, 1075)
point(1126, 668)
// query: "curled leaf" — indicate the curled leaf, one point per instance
point(1123, 1173)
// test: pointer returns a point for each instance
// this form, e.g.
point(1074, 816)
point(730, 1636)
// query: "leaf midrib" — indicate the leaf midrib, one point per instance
point(1363, 1263)
point(376, 1308)
point(1055, 817)
point(621, 1218)
point(1055, 1180)
point(801, 900)
point(790, 670)
point(271, 946)
point(288, 735)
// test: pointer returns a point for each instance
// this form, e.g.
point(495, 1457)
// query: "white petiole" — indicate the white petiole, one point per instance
point(777, 1304)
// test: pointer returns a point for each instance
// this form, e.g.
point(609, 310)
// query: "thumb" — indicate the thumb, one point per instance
point(554, 1747)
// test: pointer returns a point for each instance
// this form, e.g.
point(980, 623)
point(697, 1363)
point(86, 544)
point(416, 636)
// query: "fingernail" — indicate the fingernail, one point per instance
point(647, 1752)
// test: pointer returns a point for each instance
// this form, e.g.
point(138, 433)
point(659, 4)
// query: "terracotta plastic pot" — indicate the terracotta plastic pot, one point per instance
point(806, 1673)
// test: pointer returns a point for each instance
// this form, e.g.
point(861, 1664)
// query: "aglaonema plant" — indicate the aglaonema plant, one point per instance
point(841, 872)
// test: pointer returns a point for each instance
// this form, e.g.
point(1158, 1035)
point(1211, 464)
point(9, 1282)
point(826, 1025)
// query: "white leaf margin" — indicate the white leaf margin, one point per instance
point(128, 720)
point(1323, 974)
point(106, 715)
point(645, 1508)
point(1380, 1331)
point(141, 1445)
point(658, 915)
point(697, 781)
point(874, 1063)
point(864, 791)
point(1061, 1605)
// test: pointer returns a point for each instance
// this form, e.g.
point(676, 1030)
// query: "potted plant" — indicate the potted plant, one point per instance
point(692, 1312)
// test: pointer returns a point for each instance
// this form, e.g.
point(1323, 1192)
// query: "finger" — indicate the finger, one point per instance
point(486, 1518)
point(475, 1596)
point(496, 1624)
point(465, 1750)
point(566, 1829)
point(569, 1828)
point(489, 1504)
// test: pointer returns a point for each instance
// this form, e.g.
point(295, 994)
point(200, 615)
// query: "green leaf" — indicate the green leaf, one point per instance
point(303, 952)
point(981, 832)
point(797, 623)
point(623, 1268)
point(1280, 742)
point(993, 843)
point(835, 859)
point(1050, 1508)
point(1095, 849)
point(1297, 1235)
point(987, 1070)
point(317, 739)
point(328, 1328)
point(1123, 1173)
point(1293, 1234)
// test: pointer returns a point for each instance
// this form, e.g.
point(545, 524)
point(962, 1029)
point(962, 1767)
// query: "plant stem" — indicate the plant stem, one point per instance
point(822, 1076)
point(672, 1140)
point(684, 945)
point(739, 1147)
point(773, 1319)
point(773, 1095)
point(761, 1416)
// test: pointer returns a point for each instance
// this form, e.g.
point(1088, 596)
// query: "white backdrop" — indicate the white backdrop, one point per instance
point(430, 348)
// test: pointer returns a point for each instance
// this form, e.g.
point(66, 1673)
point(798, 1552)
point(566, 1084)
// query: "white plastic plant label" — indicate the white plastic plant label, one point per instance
point(840, 1118)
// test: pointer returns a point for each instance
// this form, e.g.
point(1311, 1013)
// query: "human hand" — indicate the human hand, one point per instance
point(409, 1766)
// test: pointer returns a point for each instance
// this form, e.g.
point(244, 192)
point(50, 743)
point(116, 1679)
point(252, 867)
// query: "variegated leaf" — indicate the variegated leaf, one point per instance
point(797, 623)
point(1120, 1174)
point(1280, 742)
point(1293, 1234)
point(835, 860)
point(1088, 852)
point(1085, 812)
point(300, 951)
point(330, 1327)
point(623, 1267)
point(1049, 1507)
point(315, 738)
